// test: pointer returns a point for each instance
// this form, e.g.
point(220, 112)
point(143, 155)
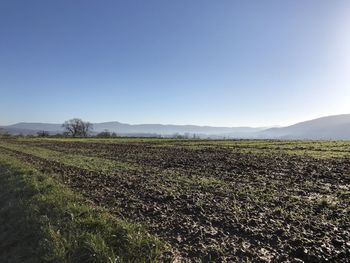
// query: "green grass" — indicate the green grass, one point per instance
point(43, 221)
point(316, 149)
point(80, 161)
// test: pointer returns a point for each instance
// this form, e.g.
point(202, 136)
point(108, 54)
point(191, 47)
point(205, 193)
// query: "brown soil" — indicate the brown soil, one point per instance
point(215, 205)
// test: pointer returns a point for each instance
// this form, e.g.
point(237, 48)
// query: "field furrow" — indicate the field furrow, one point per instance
point(210, 203)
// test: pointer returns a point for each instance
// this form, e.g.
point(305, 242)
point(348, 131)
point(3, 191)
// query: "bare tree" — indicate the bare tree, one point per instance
point(77, 128)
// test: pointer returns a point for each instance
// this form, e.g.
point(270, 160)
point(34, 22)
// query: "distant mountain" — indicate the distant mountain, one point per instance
point(130, 129)
point(33, 127)
point(331, 127)
point(172, 129)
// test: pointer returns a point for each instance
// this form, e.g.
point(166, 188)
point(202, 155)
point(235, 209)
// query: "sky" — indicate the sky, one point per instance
point(205, 62)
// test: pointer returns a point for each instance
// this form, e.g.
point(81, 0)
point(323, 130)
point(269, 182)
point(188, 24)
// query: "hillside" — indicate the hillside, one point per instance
point(331, 127)
point(123, 128)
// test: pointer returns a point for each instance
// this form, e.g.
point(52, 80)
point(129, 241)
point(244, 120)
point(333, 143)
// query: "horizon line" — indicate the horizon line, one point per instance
point(168, 124)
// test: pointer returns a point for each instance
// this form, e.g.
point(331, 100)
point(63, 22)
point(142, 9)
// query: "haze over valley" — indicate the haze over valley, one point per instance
point(332, 127)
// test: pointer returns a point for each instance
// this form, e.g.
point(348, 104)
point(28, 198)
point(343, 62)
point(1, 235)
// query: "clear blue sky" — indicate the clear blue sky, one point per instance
point(225, 62)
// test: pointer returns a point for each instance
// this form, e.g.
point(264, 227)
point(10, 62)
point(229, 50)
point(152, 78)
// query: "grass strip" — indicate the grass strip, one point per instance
point(80, 161)
point(43, 221)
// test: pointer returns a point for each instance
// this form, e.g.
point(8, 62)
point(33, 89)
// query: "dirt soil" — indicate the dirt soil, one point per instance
point(217, 205)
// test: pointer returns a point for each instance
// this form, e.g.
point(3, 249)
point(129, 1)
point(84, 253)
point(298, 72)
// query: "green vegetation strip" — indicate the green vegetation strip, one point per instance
point(85, 162)
point(43, 221)
point(316, 149)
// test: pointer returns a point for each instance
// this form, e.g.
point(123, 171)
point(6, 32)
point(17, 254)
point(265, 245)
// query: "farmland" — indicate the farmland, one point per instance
point(192, 200)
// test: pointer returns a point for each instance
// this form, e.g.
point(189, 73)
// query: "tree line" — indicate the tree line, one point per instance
point(78, 128)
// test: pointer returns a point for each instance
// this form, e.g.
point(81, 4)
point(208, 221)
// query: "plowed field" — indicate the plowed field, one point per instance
point(212, 201)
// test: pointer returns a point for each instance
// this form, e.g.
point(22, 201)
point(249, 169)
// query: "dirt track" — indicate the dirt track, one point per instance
point(218, 205)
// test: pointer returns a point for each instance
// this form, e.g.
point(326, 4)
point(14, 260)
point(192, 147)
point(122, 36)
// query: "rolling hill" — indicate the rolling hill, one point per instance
point(331, 127)
point(140, 129)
